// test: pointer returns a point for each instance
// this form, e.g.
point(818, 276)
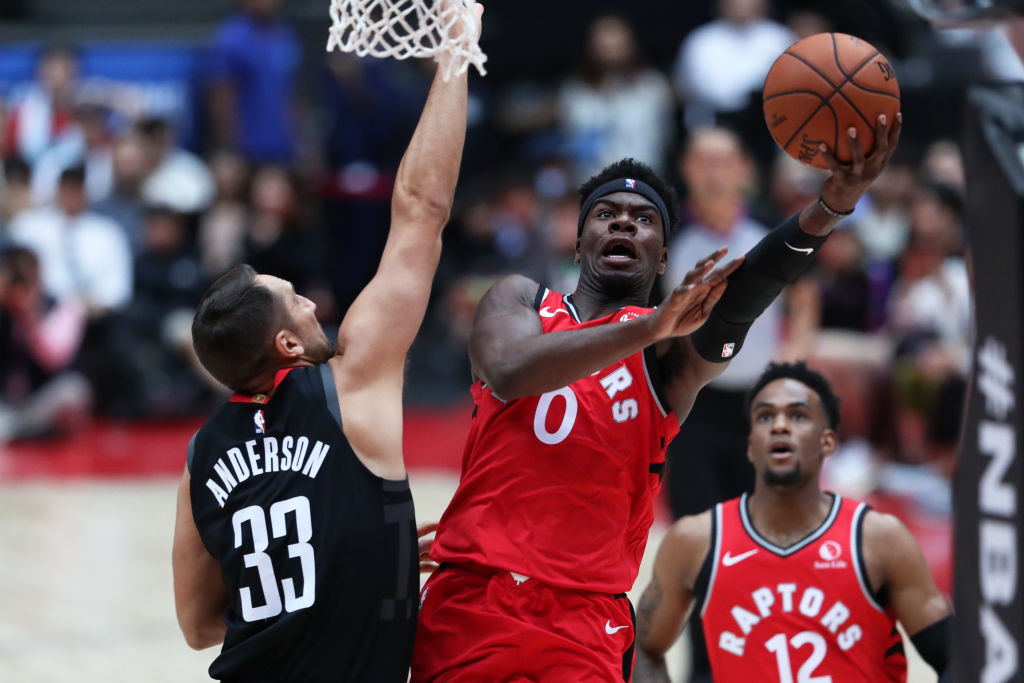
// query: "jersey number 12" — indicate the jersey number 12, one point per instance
point(258, 558)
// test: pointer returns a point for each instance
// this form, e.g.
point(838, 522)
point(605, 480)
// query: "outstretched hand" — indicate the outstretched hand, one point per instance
point(851, 180)
point(688, 306)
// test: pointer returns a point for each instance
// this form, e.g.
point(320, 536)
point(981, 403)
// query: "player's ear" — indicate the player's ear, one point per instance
point(576, 256)
point(288, 344)
point(829, 442)
point(663, 261)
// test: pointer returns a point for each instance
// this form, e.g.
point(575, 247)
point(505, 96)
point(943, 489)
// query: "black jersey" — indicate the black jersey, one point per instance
point(319, 555)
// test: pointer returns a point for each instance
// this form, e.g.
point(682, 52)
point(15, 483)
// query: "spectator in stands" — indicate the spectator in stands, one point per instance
point(39, 338)
point(177, 178)
point(254, 62)
point(88, 142)
point(81, 253)
point(124, 203)
point(720, 70)
point(16, 192)
point(46, 114)
point(222, 227)
point(600, 116)
point(930, 328)
point(155, 329)
point(280, 240)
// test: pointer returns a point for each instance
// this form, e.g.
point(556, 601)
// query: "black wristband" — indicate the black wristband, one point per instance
point(783, 255)
point(832, 212)
point(932, 643)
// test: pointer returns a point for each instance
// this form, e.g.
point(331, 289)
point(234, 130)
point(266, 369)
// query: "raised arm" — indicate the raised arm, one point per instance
point(381, 324)
point(894, 561)
point(666, 602)
point(777, 260)
point(510, 352)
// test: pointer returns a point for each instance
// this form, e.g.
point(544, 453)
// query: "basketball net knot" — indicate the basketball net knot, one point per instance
point(444, 30)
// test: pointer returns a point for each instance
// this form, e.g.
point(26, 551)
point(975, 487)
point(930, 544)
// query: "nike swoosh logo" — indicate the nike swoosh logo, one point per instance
point(611, 630)
point(548, 313)
point(729, 560)
point(805, 250)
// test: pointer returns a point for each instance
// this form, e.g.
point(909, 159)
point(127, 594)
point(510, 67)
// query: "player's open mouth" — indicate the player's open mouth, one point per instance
point(781, 451)
point(619, 250)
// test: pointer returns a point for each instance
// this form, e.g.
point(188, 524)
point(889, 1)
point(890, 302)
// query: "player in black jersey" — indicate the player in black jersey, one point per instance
point(295, 541)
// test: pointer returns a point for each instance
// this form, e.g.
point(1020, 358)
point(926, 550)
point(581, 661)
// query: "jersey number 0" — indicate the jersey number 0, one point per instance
point(258, 558)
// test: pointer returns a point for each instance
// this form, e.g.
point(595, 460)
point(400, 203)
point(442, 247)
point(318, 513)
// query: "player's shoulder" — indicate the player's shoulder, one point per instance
point(884, 530)
point(513, 288)
point(690, 533)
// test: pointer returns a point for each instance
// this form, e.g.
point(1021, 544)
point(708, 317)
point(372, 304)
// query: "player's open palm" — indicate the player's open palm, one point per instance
point(688, 306)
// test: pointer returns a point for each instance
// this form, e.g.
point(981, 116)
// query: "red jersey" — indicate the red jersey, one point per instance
point(802, 613)
point(559, 487)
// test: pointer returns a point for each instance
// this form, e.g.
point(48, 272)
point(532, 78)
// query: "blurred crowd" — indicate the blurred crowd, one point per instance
point(110, 228)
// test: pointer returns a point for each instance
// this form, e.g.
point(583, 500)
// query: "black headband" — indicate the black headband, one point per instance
point(625, 185)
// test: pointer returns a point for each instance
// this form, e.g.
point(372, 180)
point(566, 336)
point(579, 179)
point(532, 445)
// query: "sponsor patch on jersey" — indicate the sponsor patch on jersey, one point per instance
point(830, 552)
point(628, 315)
point(261, 422)
point(727, 349)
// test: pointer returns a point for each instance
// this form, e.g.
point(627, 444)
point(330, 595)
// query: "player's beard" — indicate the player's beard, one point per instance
point(784, 479)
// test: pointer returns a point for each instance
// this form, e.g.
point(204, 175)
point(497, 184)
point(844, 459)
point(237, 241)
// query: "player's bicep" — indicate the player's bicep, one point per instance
point(504, 316)
point(915, 598)
point(666, 603)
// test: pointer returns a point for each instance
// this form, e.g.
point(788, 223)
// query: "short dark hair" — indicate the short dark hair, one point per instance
point(631, 168)
point(234, 326)
point(17, 263)
point(73, 175)
point(812, 379)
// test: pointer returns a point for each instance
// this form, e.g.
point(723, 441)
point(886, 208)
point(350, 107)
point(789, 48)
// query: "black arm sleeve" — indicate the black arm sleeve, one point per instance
point(782, 256)
point(932, 643)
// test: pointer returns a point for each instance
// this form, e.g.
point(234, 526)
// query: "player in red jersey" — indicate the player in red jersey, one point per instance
point(793, 583)
point(576, 398)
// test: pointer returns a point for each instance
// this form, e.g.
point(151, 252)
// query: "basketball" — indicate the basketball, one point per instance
point(820, 86)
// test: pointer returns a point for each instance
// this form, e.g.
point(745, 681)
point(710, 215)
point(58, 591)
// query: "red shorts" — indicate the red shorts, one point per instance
point(478, 624)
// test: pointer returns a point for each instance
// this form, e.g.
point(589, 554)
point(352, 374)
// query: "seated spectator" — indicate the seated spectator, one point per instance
point(600, 116)
point(124, 202)
point(39, 337)
point(177, 178)
point(88, 142)
point(45, 115)
point(222, 227)
point(159, 378)
point(81, 253)
point(930, 325)
point(16, 192)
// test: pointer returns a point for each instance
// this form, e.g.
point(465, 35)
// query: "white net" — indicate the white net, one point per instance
point(444, 30)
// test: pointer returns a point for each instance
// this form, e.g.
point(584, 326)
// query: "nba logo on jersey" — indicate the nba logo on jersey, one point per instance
point(727, 349)
point(261, 422)
point(630, 184)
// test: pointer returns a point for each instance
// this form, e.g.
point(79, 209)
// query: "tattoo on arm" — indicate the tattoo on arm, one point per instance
point(648, 667)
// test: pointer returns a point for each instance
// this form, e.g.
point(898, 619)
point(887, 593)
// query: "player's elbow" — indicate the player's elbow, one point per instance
point(200, 637)
point(416, 206)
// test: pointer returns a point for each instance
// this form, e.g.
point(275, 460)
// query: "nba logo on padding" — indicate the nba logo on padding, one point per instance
point(261, 422)
point(727, 349)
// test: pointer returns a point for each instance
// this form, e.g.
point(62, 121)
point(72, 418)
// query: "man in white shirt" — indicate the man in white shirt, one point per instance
point(81, 254)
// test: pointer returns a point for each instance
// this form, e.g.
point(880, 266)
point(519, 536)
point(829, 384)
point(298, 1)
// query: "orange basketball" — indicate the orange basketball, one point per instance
point(821, 86)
